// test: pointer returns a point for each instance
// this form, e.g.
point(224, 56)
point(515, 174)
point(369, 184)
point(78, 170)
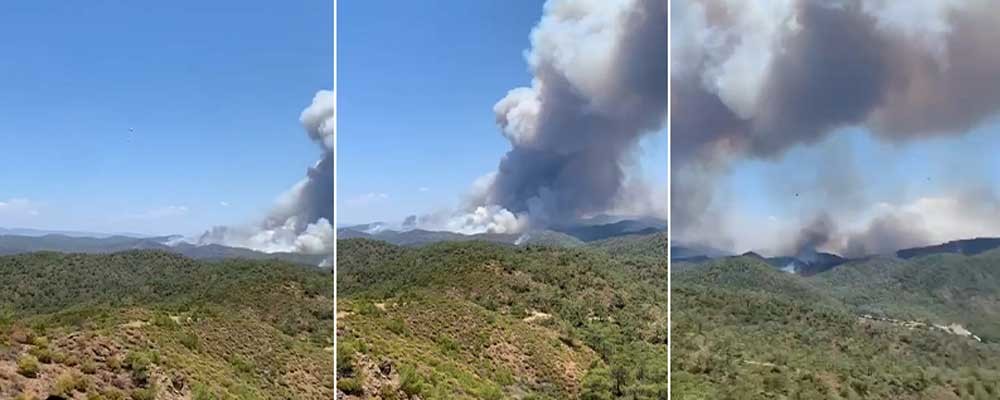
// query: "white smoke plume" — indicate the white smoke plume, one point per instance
point(753, 79)
point(968, 214)
point(301, 219)
point(599, 86)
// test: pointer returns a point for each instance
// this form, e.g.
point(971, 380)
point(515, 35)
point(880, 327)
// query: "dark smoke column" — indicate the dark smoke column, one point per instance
point(753, 79)
point(600, 84)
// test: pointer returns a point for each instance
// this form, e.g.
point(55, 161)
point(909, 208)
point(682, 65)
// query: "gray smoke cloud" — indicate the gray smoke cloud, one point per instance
point(301, 219)
point(970, 212)
point(599, 86)
point(814, 235)
point(755, 79)
point(884, 235)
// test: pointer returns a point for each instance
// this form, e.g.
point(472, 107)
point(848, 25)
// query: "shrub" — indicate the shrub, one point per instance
point(351, 386)
point(145, 394)
point(241, 364)
point(447, 345)
point(88, 367)
point(40, 341)
point(139, 363)
point(597, 385)
point(410, 382)
point(60, 357)
point(113, 394)
point(70, 360)
point(27, 365)
point(491, 393)
point(67, 382)
point(202, 392)
point(114, 362)
point(345, 358)
point(397, 326)
point(368, 309)
point(164, 321)
point(42, 354)
point(190, 340)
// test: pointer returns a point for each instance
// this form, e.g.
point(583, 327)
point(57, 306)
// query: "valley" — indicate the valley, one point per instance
point(921, 327)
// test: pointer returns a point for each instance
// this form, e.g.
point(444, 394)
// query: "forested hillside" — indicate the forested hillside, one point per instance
point(151, 324)
point(881, 328)
point(473, 320)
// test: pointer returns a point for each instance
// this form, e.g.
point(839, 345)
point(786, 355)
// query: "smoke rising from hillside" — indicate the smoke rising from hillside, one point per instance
point(968, 213)
point(301, 219)
point(755, 79)
point(599, 86)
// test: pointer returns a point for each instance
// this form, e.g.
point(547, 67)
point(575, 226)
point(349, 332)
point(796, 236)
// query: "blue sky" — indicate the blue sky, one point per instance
point(213, 91)
point(417, 85)
point(759, 195)
point(892, 171)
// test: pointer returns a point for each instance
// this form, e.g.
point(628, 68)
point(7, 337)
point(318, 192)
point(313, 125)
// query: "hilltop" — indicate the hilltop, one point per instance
point(967, 247)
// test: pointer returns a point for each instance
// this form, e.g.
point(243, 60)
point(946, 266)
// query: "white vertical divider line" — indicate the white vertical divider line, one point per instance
point(336, 135)
point(670, 219)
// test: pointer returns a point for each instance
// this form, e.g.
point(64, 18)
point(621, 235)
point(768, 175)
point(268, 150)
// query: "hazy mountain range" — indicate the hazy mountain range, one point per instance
point(71, 233)
point(595, 229)
point(817, 262)
point(77, 242)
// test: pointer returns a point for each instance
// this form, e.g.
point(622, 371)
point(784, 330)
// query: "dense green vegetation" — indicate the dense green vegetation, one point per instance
point(152, 324)
point(632, 246)
point(744, 330)
point(473, 320)
point(941, 288)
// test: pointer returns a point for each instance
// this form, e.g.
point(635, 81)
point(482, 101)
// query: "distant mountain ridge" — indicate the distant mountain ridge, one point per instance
point(817, 262)
point(565, 236)
point(18, 244)
point(967, 247)
point(690, 252)
point(70, 233)
point(605, 227)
